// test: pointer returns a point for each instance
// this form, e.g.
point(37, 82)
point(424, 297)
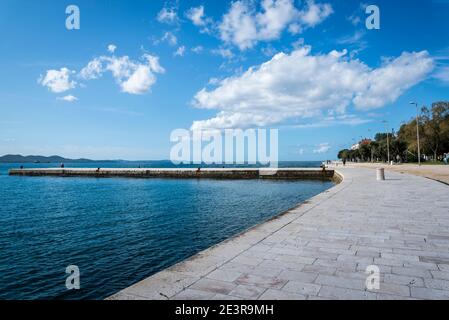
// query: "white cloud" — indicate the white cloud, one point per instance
point(68, 98)
point(387, 83)
point(198, 49)
point(133, 77)
point(140, 80)
point(112, 48)
point(442, 74)
point(57, 81)
point(335, 120)
point(196, 15)
point(93, 70)
point(168, 15)
point(355, 20)
point(239, 27)
point(180, 51)
point(295, 28)
point(302, 85)
point(244, 26)
point(322, 148)
point(170, 38)
point(213, 81)
point(313, 14)
point(153, 62)
point(223, 52)
point(352, 39)
point(199, 19)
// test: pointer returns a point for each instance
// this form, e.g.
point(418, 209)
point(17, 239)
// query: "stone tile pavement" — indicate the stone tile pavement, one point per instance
point(320, 250)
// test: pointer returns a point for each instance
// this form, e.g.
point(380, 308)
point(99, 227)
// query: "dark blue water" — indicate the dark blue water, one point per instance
point(120, 231)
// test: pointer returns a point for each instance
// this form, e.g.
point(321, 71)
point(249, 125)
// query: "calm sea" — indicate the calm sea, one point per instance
point(119, 231)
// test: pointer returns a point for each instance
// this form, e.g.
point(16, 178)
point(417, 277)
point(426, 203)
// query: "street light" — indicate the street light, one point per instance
point(388, 140)
point(417, 132)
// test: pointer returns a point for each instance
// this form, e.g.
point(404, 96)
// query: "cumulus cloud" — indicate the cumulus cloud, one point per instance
point(180, 51)
point(133, 77)
point(302, 85)
point(139, 81)
point(322, 148)
point(223, 52)
point(168, 15)
point(196, 15)
point(170, 38)
point(244, 26)
point(198, 49)
point(68, 98)
point(112, 48)
point(57, 81)
point(93, 70)
point(314, 13)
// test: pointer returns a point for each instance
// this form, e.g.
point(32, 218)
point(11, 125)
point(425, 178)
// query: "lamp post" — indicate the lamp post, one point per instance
point(417, 132)
point(388, 141)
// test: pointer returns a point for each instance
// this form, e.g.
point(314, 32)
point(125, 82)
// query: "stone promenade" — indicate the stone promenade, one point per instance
point(321, 249)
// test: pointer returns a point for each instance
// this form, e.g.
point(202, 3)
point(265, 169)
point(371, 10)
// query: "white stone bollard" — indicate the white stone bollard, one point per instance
point(380, 174)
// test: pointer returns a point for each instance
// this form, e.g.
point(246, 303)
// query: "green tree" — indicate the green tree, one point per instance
point(434, 123)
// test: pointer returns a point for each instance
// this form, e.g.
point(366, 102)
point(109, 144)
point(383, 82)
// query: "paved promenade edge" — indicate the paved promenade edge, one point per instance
point(321, 248)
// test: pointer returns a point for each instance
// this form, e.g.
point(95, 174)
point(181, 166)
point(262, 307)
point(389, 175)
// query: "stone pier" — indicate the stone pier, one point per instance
point(210, 173)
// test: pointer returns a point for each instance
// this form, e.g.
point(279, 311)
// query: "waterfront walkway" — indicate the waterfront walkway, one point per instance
point(321, 249)
point(435, 172)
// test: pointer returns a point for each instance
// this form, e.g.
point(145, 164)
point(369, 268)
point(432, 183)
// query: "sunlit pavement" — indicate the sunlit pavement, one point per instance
point(321, 249)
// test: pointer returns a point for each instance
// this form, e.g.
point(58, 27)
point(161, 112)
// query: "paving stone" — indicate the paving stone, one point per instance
point(385, 296)
point(319, 269)
point(192, 294)
point(412, 272)
point(399, 257)
point(429, 294)
point(224, 275)
point(345, 294)
point(443, 267)
point(298, 276)
point(214, 286)
point(393, 289)
point(273, 294)
point(339, 265)
point(404, 280)
point(437, 284)
point(264, 271)
point(302, 288)
point(440, 275)
point(247, 292)
point(261, 281)
point(252, 261)
point(341, 282)
point(225, 297)
point(295, 259)
point(366, 253)
point(277, 265)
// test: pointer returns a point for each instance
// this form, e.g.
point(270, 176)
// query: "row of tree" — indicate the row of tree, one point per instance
point(403, 146)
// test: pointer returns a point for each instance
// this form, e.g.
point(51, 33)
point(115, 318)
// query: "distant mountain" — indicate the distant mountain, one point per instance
point(17, 158)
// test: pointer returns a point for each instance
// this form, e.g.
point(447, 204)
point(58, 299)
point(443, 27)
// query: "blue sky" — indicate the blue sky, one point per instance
point(317, 73)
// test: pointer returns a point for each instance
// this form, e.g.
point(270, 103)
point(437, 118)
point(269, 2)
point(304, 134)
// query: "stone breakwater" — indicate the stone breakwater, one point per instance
point(225, 173)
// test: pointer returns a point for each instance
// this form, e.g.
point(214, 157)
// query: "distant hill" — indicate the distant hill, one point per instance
point(17, 158)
